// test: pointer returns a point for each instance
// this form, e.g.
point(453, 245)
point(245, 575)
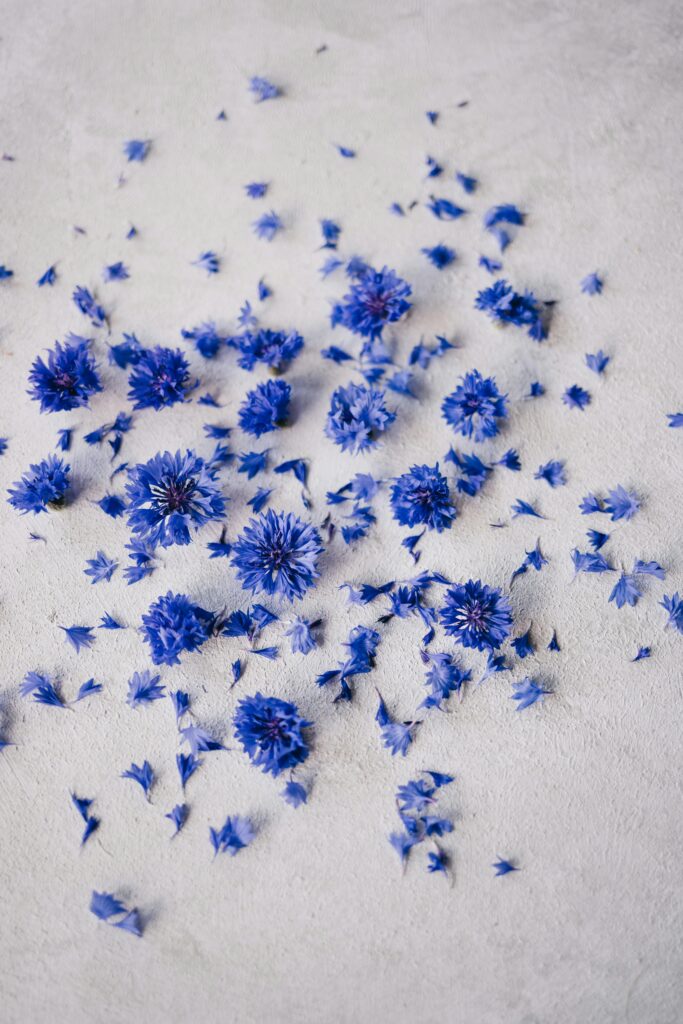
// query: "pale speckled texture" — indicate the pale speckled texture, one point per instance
point(575, 114)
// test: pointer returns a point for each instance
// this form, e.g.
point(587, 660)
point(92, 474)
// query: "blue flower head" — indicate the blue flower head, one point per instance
point(422, 496)
point(275, 349)
point(170, 495)
point(271, 732)
point(161, 377)
point(475, 407)
point(265, 408)
point(476, 615)
point(506, 306)
point(440, 256)
point(67, 380)
point(357, 416)
point(377, 298)
point(277, 554)
point(173, 625)
point(45, 484)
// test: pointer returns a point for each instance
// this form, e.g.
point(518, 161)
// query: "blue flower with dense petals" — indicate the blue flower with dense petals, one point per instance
point(67, 380)
point(475, 406)
point(276, 349)
point(45, 484)
point(277, 554)
point(161, 377)
point(174, 624)
point(506, 306)
point(422, 496)
point(170, 495)
point(271, 732)
point(477, 615)
point(357, 416)
point(377, 298)
point(265, 408)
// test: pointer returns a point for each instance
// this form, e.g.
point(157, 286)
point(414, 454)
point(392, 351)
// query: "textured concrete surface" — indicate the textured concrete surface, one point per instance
point(574, 113)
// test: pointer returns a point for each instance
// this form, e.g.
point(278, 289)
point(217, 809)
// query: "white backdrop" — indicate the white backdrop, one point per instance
point(574, 114)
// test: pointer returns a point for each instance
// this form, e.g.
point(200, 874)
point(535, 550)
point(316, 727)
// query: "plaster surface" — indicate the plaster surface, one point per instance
point(574, 114)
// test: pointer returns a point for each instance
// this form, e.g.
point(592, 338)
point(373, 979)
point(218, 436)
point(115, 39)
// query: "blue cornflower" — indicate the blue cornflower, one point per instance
point(440, 255)
point(490, 265)
point(69, 378)
point(506, 213)
point(262, 89)
point(621, 504)
point(206, 339)
point(467, 183)
point(116, 272)
point(444, 209)
point(48, 278)
point(137, 149)
point(591, 284)
point(506, 306)
point(128, 352)
point(330, 232)
point(271, 732)
point(277, 554)
point(503, 867)
point(357, 416)
point(160, 378)
point(673, 605)
point(596, 539)
point(523, 645)
point(173, 625)
point(235, 835)
point(475, 406)
point(444, 677)
point(300, 633)
point(267, 226)
point(476, 615)
point(276, 349)
point(526, 693)
point(170, 495)
point(3, 445)
point(294, 794)
point(675, 419)
point(143, 688)
point(625, 591)
point(379, 297)
point(265, 408)
point(552, 472)
point(256, 189)
point(208, 261)
point(434, 170)
point(45, 484)
point(100, 568)
point(5, 272)
point(422, 496)
point(89, 306)
point(345, 151)
point(576, 397)
point(396, 736)
point(597, 361)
